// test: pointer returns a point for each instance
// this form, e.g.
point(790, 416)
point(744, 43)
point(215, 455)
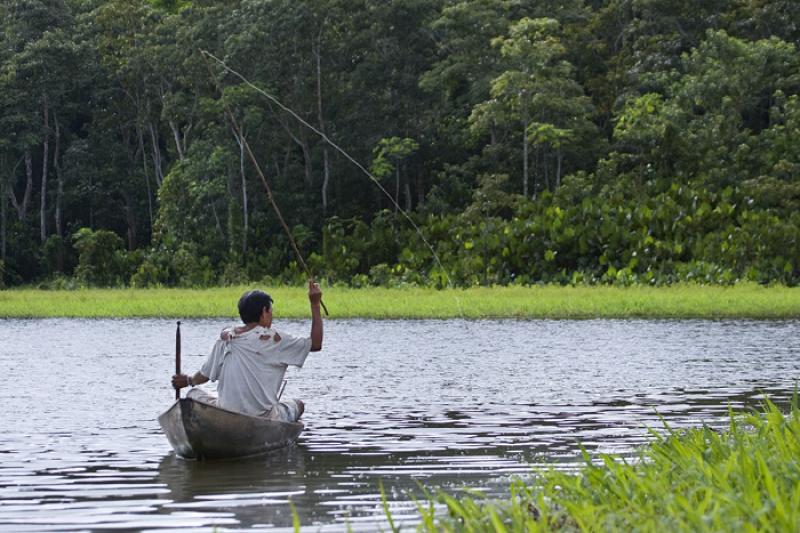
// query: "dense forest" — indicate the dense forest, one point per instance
point(530, 141)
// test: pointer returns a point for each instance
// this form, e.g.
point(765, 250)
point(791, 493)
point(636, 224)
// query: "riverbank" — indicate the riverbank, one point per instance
point(680, 301)
point(745, 478)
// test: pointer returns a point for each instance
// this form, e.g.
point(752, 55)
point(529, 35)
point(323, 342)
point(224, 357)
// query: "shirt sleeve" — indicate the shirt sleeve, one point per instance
point(293, 350)
point(213, 364)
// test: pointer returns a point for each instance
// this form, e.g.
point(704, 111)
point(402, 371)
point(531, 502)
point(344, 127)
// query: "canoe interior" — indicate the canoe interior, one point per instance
point(200, 431)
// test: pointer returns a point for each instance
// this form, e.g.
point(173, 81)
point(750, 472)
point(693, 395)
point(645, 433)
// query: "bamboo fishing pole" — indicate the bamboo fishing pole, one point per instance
point(259, 171)
point(346, 155)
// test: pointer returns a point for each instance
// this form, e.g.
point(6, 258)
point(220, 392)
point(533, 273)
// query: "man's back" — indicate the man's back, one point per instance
point(250, 367)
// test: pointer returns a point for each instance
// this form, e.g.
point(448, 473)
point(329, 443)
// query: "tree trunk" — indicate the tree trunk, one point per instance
point(3, 228)
point(26, 198)
point(325, 161)
point(45, 162)
point(130, 219)
point(287, 156)
point(21, 207)
point(91, 202)
point(59, 176)
point(326, 179)
point(179, 145)
point(408, 196)
point(397, 187)
point(158, 166)
point(338, 185)
point(525, 158)
point(59, 195)
point(307, 162)
point(546, 169)
point(216, 220)
point(559, 159)
point(278, 174)
point(146, 177)
point(245, 224)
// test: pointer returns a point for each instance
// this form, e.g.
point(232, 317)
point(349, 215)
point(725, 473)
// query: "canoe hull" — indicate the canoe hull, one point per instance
point(200, 431)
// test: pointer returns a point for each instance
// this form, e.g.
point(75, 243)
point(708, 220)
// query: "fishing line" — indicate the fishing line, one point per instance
point(349, 158)
point(267, 188)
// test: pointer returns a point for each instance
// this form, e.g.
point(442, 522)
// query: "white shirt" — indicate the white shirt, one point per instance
point(250, 367)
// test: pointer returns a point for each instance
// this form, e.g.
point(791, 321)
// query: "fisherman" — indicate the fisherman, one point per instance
point(250, 361)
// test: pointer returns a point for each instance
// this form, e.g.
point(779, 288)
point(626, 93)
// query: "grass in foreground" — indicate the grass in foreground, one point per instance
point(679, 301)
point(745, 479)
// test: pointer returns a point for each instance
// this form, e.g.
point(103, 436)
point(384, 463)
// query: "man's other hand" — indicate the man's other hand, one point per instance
point(180, 381)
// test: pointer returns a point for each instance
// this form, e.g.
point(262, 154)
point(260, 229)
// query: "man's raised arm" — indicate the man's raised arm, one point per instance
point(315, 297)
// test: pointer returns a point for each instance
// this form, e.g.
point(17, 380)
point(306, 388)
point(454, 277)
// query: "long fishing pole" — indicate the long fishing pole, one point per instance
point(300, 119)
point(258, 170)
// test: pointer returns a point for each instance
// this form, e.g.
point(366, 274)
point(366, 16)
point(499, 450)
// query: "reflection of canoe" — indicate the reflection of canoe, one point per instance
point(200, 431)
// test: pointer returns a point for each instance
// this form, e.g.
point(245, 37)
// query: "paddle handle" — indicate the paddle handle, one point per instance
point(178, 356)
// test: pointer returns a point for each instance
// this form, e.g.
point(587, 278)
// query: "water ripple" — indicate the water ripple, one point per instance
point(445, 403)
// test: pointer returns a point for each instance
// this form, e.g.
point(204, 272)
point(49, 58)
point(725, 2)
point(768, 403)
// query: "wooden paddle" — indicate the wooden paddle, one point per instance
point(178, 357)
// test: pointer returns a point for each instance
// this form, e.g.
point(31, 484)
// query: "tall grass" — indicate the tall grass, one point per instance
point(679, 301)
point(746, 478)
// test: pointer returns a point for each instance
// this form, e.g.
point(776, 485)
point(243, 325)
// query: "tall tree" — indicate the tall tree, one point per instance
point(124, 34)
point(389, 156)
point(538, 96)
point(37, 76)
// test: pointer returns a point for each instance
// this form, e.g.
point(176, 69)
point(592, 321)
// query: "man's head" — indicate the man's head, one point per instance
point(252, 304)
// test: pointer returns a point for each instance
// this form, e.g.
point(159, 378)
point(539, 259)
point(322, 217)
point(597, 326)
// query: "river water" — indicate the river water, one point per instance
point(448, 404)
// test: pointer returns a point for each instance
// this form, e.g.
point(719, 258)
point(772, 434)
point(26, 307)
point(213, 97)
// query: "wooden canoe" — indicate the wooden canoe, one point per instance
point(197, 430)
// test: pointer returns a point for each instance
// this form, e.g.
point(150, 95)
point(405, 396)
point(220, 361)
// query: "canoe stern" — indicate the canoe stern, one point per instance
point(171, 422)
point(200, 431)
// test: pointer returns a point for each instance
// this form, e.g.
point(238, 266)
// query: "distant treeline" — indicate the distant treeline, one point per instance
point(563, 141)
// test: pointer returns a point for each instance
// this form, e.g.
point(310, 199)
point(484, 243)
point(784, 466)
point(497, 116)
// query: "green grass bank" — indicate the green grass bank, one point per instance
point(744, 479)
point(678, 301)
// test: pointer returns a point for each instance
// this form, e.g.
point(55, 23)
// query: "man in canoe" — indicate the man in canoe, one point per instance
point(249, 361)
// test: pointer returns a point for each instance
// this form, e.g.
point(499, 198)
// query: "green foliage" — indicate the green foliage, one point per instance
point(532, 142)
point(353, 251)
point(58, 256)
point(172, 264)
point(102, 259)
point(390, 152)
point(653, 237)
point(170, 5)
point(537, 94)
point(192, 196)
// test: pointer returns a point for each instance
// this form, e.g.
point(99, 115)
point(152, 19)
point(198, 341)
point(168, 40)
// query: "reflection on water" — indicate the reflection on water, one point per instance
point(449, 404)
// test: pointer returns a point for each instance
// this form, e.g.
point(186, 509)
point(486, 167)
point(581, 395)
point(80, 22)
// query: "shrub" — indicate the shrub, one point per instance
point(102, 260)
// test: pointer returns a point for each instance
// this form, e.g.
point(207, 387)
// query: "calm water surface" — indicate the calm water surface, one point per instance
point(450, 404)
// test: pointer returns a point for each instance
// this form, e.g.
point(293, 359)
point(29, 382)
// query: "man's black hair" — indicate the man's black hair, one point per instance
point(251, 303)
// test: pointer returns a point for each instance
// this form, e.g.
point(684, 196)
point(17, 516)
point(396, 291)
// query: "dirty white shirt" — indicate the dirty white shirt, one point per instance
point(250, 367)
